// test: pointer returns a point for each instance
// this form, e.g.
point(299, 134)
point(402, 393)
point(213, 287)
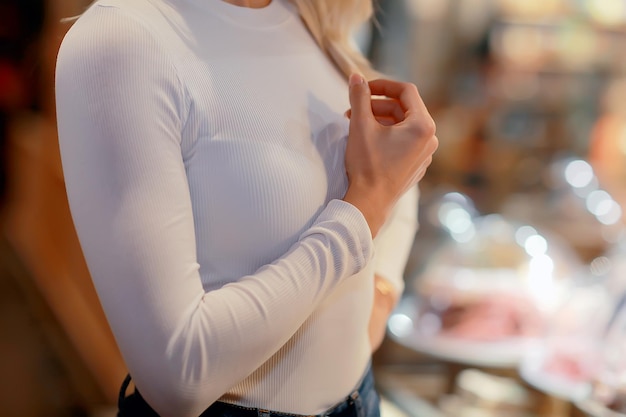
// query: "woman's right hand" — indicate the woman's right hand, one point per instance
point(390, 145)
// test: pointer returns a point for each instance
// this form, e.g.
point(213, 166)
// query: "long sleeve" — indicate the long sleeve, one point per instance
point(121, 107)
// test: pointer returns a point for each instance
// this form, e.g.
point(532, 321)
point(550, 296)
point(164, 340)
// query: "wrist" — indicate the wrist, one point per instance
point(374, 214)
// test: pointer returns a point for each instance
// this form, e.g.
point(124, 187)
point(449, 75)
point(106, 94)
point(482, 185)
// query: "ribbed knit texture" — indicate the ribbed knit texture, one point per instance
point(202, 145)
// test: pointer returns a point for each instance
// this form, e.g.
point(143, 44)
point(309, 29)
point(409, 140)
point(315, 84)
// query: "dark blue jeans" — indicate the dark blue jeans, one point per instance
point(363, 402)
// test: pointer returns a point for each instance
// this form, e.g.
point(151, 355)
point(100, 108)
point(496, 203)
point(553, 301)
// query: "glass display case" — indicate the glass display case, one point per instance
point(574, 206)
point(607, 397)
point(569, 354)
point(486, 292)
point(606, 393)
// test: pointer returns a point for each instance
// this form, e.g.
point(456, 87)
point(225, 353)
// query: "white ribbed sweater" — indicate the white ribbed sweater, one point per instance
point(202, 145)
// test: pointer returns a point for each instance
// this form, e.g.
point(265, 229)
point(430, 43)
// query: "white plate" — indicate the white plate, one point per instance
point(595, 409)
point(505, 353)
point(531, 369)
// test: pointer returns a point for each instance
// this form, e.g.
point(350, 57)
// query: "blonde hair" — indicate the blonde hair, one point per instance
point(332, 24)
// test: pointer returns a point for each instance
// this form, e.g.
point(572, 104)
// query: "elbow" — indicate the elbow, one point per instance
point(174, 395)
point(180, 379)
point(175, 399)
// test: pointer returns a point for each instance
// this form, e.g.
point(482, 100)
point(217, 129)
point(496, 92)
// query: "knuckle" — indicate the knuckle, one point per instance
point(415, 130)
point(429, 128)
point(424, 128)
point(434, 144)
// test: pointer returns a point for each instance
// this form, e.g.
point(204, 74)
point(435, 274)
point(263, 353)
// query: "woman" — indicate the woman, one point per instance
point(229, 238)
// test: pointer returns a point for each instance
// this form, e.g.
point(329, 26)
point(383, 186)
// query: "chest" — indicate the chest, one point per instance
point(263, 147)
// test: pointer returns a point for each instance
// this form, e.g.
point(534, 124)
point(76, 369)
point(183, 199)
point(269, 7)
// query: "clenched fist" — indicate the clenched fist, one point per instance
point(390, 145)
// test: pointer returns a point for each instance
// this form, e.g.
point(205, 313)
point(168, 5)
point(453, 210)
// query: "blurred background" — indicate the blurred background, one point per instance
point(515, 288)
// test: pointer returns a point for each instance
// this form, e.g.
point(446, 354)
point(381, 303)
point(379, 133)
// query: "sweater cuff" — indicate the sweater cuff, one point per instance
point(348, 223)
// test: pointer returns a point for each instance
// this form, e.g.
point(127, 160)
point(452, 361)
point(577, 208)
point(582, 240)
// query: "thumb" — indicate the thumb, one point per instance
point(360, 97)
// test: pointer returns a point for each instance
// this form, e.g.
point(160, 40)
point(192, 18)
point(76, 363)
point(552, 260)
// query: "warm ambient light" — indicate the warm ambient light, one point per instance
point(608, 12)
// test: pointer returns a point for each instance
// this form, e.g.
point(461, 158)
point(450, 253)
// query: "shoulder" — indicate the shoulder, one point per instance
point(111, 30)
point(116, 38)
point(114, 54)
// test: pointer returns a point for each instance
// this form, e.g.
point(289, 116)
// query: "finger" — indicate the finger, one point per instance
point(416, 113)
point(426, 163)
point(384, 108)
point(425, 158)
point(388, 108)
point(421, 172)
point(360, 98)
point(406, 93)
point(432, 145)
point(386, 121)
point(427, 153)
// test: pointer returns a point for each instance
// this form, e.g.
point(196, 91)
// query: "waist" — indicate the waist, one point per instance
point(363, 400)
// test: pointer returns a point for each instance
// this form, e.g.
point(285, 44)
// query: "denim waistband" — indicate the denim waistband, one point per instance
point(354, 405)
